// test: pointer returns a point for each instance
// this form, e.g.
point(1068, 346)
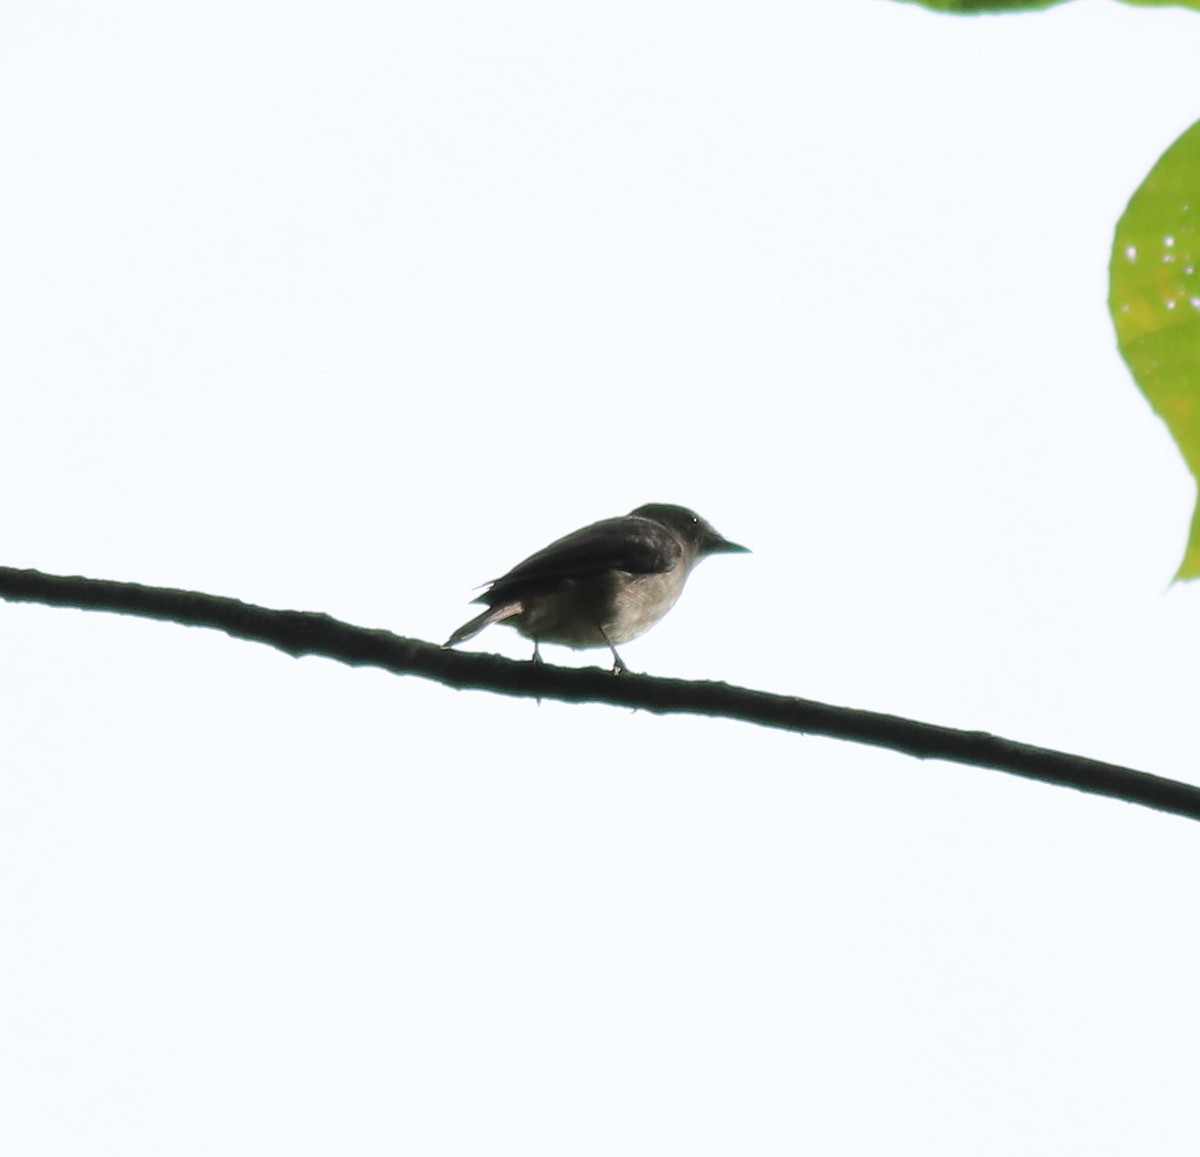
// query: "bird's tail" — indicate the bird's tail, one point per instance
point(491, 615)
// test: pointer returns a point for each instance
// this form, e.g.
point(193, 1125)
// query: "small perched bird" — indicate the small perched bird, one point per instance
point(602, 585)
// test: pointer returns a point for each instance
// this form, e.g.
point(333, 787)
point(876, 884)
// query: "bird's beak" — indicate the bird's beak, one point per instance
point(724, 546)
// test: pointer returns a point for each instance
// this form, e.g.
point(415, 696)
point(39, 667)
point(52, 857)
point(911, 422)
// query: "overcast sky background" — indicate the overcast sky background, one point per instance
point(349, 308)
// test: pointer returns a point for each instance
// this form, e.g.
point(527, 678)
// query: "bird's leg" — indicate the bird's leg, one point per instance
point(537, 660)
point(618, 662)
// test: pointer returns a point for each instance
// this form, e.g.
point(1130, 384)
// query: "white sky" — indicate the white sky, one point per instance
point(350, 307)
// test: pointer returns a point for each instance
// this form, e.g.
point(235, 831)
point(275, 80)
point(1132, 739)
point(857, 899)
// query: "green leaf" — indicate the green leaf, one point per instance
point(1164, 3)
point(976, 7)
point(1154, 299)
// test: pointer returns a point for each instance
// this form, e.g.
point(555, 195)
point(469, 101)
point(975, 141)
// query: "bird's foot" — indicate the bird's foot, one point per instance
point(618, 662)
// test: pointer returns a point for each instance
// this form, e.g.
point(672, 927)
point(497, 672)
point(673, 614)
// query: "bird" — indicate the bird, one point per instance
point(603, 584)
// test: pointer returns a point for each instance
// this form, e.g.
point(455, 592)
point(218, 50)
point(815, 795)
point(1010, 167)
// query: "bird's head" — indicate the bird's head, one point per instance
point(696, 534)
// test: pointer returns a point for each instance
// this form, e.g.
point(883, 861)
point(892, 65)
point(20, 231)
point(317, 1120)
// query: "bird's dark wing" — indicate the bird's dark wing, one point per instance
point(631, 544)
